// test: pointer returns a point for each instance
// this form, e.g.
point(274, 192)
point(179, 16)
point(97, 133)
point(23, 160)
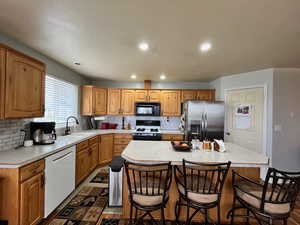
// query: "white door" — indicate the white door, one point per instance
point(244, 118)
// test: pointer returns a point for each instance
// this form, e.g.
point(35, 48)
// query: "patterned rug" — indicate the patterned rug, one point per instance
point(101, 177)
point(126, 222)
point(84, 209)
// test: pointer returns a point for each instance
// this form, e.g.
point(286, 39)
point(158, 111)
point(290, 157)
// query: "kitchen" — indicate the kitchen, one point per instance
point(65, 117)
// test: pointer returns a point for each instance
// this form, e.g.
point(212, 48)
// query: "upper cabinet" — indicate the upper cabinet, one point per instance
point(147, 95)
point(2, 81)
point(171, 102)
point(201, 95)
point(22, 81)
point(93, 100)
point(127, 100)
point(114, 101)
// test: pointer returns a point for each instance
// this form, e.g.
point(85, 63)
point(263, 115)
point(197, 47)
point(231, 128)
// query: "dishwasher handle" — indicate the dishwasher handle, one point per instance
point(62, 157)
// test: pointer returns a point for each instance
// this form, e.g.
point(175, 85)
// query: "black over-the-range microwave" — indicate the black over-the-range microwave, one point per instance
point(147, 109)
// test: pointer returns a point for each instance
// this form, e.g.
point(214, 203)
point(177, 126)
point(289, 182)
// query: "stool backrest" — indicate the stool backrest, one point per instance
point(202, 178)
point(280, 187)
point(148, 180)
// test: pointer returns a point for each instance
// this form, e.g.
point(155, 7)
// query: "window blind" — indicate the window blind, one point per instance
point(61, 101)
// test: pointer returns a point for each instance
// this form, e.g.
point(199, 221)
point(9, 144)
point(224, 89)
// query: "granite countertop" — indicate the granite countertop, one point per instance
point(162, 151)
point(22, 156)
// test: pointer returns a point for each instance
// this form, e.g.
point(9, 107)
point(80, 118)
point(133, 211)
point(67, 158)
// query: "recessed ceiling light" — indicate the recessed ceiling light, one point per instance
point(76, 63)
point(144, 46)
point(163, 77)
point(206, 46)
point(133, 76)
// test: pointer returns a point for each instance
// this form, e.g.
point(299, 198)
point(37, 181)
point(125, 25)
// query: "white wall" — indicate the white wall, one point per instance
point(156, 85)
point(286, 117)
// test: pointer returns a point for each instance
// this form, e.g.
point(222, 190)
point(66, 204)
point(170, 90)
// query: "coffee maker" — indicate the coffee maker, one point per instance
point(43, 133)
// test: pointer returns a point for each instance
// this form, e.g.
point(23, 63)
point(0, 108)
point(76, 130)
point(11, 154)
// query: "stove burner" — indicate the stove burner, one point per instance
point(141, 129)
point(154, 130)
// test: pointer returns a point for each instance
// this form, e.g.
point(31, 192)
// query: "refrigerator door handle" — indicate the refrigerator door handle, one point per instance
point(202, 126)
point(205, 122)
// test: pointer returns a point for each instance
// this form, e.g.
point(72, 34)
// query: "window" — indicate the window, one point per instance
point(61, 101)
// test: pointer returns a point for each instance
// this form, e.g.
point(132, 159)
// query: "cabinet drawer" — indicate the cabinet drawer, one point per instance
point(82, 145)
point(93, 140)
point(122, 141)
point(31, 170)
point(172, 137)
point(121, 136)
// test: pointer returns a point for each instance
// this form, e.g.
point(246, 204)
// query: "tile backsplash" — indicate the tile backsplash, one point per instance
point(10, 131)
point(167, 123)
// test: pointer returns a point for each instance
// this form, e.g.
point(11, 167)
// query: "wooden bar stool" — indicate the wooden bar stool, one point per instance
point(266, 202)
point(200, 187)
point(148, 188)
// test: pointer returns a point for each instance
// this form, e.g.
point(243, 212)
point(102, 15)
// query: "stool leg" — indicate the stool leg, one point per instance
point(247, 220)
point(187, 213)
point(219, 214)
point(163, 216)
point(232, 215)
point(206, 216)
point(131, 209)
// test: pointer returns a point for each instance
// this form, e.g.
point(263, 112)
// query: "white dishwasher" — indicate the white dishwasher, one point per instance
point(59, 178)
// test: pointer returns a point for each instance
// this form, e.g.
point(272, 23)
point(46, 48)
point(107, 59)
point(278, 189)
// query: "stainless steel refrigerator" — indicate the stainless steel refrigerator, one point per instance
point(203, 120)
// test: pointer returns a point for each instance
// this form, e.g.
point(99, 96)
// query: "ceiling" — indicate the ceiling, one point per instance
point(103, 35)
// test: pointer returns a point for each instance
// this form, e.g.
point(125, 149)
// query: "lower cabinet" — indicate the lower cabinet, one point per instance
point(106, 148)
point(22, 193)
point(94, 149)
point(32, 200)
point(172, 137)
point(120, 143)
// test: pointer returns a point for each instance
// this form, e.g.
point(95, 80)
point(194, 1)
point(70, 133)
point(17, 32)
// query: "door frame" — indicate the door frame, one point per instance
point(265, 87)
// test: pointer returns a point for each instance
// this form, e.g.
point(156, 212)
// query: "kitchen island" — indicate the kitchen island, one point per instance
point(244, 161)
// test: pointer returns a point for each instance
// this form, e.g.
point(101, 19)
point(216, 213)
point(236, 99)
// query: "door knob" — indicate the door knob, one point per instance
point(227, 133)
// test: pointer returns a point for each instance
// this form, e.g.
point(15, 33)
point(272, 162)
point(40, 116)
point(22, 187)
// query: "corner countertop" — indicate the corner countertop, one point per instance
point(22, 156)
point(162, 151)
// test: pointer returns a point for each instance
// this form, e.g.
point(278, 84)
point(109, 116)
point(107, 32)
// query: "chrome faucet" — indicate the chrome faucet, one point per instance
point(68, 130)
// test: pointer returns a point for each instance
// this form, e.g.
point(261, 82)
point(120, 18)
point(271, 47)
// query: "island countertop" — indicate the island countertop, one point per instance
point(162, 151)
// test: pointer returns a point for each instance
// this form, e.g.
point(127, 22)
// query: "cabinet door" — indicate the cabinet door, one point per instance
point(86, 100)
point(32, 200)
point(82, 164)
point(2, 80)
point(206, 95)
point(106, 148)
point(188, 95)
point(99, 100)
point(94, 155)
point(114, 101)
point(127, 107)
point(171, 103)
point(154, 95)
point(25, 78)
point(141, 95)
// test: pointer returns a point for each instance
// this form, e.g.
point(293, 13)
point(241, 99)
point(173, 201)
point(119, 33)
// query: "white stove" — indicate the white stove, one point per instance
point(147, 130)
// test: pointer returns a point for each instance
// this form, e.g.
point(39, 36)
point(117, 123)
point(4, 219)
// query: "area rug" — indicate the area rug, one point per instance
point(126, 222)
point(83, 209)
point(101, 177)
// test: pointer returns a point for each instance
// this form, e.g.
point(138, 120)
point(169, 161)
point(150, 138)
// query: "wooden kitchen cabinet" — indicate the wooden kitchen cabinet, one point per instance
point(171, 102)
point(114, 101)
point(172, 137)
point(32, 200)
point(206, 95)
point(106, 148)
point(127, 102)
point(154, 95)
point(188, 95)
point(24, 86)
point(22, 194)
point(94, 149)
point(82, 164)
point(93, 100)
point(2, 81)
point(120, 143)
point(141, 95)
